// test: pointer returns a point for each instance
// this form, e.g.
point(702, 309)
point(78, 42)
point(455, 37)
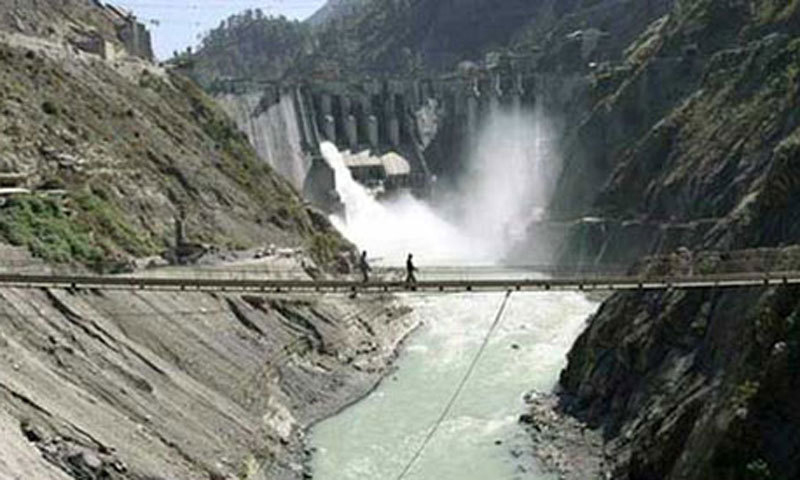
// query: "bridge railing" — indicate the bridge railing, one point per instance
point(78, 282)
point(751, 267)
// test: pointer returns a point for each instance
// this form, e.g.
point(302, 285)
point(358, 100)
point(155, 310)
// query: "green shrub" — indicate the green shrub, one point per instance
point(323, 248)
point(93, 236)
point(106, 221)
point(41, 225)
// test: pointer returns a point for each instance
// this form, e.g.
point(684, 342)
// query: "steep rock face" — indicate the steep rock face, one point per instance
point(435, 36)
point(699, 129)
point(151, 385)
point(390, 38)
point(692, 384)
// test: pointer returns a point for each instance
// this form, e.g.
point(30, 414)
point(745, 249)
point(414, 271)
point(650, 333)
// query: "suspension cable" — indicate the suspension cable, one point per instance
point(498, 317)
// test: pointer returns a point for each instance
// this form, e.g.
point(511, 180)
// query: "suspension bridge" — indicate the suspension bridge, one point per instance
point(454, 280)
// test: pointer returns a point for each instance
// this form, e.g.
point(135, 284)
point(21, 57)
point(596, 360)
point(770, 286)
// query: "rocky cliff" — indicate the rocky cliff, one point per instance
point(694, 146)
point(692, 142)
point(692, 384)
point(99, 154)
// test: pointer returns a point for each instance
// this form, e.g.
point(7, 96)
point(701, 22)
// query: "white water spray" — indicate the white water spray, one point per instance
point(392, 230)
point(504, 188)
point(509, 177)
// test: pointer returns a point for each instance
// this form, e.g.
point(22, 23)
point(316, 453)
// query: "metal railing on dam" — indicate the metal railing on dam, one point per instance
point(458, 281)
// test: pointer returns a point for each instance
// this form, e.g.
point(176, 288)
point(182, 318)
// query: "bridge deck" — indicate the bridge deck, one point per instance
point(599, 283)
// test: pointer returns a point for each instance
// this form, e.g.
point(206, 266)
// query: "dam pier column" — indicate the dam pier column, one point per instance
point(328, 122)
point(392, 122)
point(351, 129)
point(495, 92)
point(372, 132)
point(473, 106)
point(517, 93)
point(349, 122)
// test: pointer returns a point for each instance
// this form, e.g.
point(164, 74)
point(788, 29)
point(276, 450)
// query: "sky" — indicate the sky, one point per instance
point(177, 24)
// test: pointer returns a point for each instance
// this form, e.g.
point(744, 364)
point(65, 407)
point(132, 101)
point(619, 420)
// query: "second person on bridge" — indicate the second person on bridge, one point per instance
point(410, 269)
point(364, 266)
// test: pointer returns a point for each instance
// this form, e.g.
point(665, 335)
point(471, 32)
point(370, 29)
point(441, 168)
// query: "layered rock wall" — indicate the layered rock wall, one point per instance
point(179, 385)
point(692, 384)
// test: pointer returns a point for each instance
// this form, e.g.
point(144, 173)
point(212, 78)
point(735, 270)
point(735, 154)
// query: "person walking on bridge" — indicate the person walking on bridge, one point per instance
point(364, 266)
point(410, 269)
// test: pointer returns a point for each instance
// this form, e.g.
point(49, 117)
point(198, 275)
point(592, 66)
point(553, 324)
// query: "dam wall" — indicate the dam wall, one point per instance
point(427, 120)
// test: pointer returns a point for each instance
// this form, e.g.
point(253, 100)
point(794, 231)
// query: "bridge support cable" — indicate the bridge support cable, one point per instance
point(457, 393)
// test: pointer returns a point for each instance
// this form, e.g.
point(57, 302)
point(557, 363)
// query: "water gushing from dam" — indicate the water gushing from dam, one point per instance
point(506, 185)
point(508, 179)
point(389, 231)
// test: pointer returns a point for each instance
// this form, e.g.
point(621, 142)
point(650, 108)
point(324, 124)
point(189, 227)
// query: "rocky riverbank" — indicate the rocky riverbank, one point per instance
point(153, 385)
point(691, 384)
point(562, 444)
point(681, 384)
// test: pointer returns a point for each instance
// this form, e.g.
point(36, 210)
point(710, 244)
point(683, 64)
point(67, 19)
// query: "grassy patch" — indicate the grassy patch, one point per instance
point(95, 234)
point(324, 248)
point(43, 227)
point(107, 222)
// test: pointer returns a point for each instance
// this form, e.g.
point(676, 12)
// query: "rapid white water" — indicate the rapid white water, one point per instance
point(506, 186)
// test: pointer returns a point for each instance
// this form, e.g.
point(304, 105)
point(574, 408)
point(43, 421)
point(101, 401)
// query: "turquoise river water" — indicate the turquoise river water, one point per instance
point(375, 438)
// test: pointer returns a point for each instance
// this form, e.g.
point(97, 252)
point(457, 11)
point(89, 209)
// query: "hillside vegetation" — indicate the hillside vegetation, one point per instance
point(248, 47)
point(117, 149)
point(378, 38)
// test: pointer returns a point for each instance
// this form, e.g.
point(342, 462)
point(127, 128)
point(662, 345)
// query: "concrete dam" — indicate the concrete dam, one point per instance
point(424, 121)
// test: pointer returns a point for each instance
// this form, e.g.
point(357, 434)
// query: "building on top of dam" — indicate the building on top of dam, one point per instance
point(385, 173)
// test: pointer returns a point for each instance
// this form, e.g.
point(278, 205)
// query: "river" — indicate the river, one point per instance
point(478, 441)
